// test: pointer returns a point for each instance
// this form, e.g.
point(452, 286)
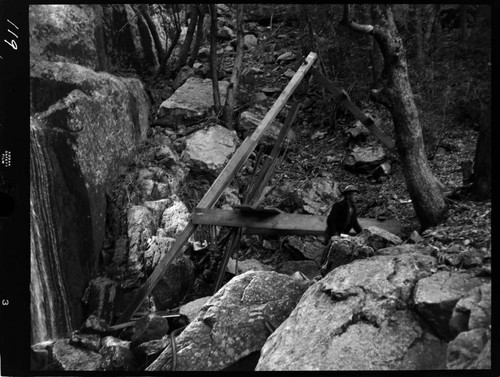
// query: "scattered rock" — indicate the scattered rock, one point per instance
point(94, 325)
point(415, 237)
point(287, 56)
point(147, 352)
point(68, 357)
point(116, 355)
point(100, 297)
point(250, 41)
point(318, 195)
point(208, 151)
point(226, 330)
point(308, 267)
point(318, 135)
point(472, 311)
point(141, 227)
point(382, 170)
point(358, 132)
point(150, 327)
point(245, 266)
point(190, 103)
point(378, 238)
point(192, 308)
point(363, 159)
point(436, 296)
point(174, 218)
point(185, 73)
point(470, 350)
point(158, 247)
point(269, 91)
point(289, 73)
point(92, 342)
point(343, 250)
point(268, 58)
point(304, 248)
point(166, 156)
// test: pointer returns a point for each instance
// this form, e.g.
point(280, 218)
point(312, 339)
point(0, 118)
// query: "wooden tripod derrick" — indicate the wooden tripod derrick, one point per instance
point(215, 191)
point(249, 218)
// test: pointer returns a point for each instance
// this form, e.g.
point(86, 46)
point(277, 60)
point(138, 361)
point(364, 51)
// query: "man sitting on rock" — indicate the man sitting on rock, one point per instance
point(343, 216)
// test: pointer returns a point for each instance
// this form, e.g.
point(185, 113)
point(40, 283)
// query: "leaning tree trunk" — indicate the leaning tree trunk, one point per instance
point(199, 35)
point(232, 90)
point(397, 96)
point(481, 188)
point(189, 38)
point(213, 56)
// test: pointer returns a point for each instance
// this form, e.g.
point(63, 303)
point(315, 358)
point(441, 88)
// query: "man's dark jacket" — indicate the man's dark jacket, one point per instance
point(341, 220)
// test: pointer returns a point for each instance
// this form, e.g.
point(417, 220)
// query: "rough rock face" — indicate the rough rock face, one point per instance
point(305, 248)
point(175, 283)
point(65, 33)
point(437, 295)
point(116, 355)
point(344, 250)
point(358, 318)
point(67, 357)
point(100, 297)
point(208, 151)
point(190, 103)
point(193, 308)
point(150, 327)
point(470, 350)
point(87, 125)
point(318, 195)
point(174, 218)
point(225, 331)
point(379, 238)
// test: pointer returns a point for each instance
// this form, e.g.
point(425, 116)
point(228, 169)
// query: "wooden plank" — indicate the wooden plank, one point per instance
point(344, 100)
point(215, 191)
point(257, 211)
point(282, 223)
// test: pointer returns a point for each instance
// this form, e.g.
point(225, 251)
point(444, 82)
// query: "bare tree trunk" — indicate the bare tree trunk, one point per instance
point(416, 13)
point(481, 189)
point(397, 96)
point(177, 35)
point(235, 76)
point(199, 35)
point(154, 33)
point(189, 38)
point(213, 56)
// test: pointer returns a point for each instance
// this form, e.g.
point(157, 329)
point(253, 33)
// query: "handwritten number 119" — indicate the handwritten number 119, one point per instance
point(12, 43)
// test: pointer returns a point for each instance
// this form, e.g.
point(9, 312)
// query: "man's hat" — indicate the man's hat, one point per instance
point(350, 188)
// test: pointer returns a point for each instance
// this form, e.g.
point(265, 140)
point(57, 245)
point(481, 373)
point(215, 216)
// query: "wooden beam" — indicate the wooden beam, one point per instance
point(345, 101)
point(218, 186)
point(278, 224)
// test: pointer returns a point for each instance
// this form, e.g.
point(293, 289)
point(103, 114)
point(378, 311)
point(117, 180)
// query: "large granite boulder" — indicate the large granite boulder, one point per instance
point(63, 32)
point(225, 329)
point(84, 127)
point(358, 317)
point(208, 151)
point(190, 103)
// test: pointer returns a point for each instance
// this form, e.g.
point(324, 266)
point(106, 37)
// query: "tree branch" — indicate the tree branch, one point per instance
point(346, 20)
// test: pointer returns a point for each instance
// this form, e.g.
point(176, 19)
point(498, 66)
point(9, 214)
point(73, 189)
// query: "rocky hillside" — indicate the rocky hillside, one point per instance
point(413, 301)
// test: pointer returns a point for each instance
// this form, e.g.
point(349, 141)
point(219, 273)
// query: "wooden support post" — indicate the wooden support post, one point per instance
point(215, 191)
point(345, 101)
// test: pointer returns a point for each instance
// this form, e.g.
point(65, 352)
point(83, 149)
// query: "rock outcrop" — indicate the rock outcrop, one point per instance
point(84, 126)
point(225, 331)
